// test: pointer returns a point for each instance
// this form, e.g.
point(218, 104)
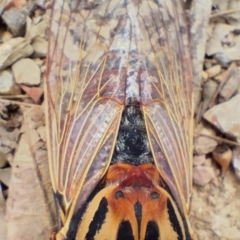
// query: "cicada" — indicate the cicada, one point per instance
point(119, 115)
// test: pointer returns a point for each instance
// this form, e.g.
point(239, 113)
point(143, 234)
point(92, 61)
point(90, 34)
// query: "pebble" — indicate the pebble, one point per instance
point(15, 19)
point(213, 71)
point(204, 76)
point(5, 36)
point(13, 50)
point(40, 47)
point(204, 144)
point(7, 83)
point(198, 160)
point(223, 45)
point(231, 86)
point(225, 117)
point(202, 175)
point(31, 77)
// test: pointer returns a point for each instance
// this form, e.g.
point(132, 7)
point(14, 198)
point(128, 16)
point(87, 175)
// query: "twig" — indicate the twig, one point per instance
point(218, 139)
point(20, 96)
point(224, 12)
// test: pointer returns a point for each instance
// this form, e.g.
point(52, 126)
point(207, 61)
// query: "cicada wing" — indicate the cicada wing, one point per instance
point(166, 87)
point(84, 95)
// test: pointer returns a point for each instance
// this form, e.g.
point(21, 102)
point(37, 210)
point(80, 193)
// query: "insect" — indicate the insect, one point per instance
point(119, 116)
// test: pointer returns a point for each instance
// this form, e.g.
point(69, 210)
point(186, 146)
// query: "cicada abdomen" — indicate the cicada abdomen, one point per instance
point(119, 104)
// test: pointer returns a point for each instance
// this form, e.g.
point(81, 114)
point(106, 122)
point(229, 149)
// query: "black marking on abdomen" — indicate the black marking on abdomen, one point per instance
point(125, 231)
point(98, 220)
point(152, 231)
point(138, 214)
point(174, 220)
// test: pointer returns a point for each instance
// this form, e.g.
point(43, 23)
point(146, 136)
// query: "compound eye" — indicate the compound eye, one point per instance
point(119, 194)
point(154, 195)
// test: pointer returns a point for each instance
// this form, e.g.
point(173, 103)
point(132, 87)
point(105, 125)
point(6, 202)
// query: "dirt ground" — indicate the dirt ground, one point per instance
point(215, 208)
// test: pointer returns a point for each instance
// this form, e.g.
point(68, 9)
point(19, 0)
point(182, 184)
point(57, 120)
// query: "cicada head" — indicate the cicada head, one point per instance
point(133, 205)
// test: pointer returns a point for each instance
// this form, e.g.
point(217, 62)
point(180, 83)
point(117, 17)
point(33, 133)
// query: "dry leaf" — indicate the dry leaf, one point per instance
point(30, 201)
point(222, 154)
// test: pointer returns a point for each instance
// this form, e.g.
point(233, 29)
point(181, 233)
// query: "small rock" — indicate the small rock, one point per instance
point(15, 19)
point(38, 115)
point(208, 162)
point(13, 50)
point(225, 117)
point(219, 32)
point(7, 83)
point(36, 27)
point(40, 3)
point(220, 77)
point(28, 77)
point(223, 44)
point(202, 175)
point(203, 143)
point(5, 36)
point(209, 89)
point(213, 71)
point(208, 63)
point(40, 47)
point(198, 160)
point(39, 62)
point(231, 86)
point(204, 76)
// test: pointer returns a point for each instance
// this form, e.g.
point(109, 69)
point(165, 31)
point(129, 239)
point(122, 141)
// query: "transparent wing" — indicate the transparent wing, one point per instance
point(84, 95)
point(166, 86)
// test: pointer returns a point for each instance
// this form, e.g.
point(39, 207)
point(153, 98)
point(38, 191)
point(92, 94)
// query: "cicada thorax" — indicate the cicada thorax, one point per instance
point(132, 202)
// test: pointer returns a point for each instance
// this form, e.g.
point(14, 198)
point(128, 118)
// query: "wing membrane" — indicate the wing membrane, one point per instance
point(84, 96)
point(101, 54)
point(166, 86)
